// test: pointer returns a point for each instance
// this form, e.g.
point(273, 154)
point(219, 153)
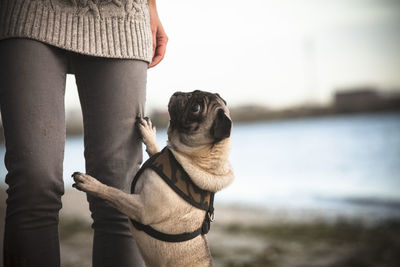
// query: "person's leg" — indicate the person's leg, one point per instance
point(112, 94)
point(32, 82)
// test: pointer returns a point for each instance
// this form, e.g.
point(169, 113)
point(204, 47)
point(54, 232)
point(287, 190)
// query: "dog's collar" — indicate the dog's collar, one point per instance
point(169, 169)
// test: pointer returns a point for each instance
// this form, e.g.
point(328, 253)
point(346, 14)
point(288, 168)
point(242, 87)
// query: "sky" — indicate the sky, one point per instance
point(275, 53)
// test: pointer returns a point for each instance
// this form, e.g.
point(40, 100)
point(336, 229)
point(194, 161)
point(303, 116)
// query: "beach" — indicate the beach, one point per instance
point(255, 236)
point(307, 192)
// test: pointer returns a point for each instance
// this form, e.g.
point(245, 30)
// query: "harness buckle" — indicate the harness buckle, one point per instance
point(211, 217)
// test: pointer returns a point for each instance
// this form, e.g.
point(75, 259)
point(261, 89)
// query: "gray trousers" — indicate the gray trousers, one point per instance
point(32, 85)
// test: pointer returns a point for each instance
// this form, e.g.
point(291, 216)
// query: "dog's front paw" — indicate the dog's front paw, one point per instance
point(148, 132)
point(87, 183)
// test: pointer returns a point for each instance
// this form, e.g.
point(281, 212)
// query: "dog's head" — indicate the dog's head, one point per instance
point(198, 118)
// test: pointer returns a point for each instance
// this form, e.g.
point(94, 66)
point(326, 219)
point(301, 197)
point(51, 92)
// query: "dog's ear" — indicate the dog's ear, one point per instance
point(221, 127)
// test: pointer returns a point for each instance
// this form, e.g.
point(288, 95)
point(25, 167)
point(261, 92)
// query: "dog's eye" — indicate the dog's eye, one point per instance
point(196, 108)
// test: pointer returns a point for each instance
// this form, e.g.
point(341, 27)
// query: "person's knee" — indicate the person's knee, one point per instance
point(35, 190)
point(114, 159)
point(107, 219)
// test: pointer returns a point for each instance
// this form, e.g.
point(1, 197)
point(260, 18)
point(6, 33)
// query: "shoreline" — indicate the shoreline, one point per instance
point(76, 206)
point(74, 126)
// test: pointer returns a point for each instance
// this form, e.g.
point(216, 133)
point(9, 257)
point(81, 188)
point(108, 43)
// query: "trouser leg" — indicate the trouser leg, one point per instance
point(32, 82)
point(112, 94)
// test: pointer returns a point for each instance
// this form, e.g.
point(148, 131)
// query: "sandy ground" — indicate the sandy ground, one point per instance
point(249, 236)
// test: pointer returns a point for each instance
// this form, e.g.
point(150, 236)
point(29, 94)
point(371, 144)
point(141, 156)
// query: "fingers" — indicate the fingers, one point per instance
point(159, 55)
point(154, 40)
point(160, 41)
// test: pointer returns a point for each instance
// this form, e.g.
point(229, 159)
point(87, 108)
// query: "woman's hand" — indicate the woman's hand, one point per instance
point(160, 38)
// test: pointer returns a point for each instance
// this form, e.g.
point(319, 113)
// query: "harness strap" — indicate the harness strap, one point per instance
point(208, 206)
point(176, 189)
point(165, 237)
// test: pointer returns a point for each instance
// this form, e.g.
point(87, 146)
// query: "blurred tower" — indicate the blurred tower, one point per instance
point(310, 71)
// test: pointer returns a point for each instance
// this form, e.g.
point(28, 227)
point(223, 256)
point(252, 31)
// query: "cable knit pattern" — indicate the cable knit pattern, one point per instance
point(105, 28)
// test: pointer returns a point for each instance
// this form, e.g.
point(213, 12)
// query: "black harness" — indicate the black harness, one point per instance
point(169, 169)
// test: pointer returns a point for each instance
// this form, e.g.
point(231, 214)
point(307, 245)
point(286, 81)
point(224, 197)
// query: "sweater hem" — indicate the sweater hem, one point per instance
point(76, 51)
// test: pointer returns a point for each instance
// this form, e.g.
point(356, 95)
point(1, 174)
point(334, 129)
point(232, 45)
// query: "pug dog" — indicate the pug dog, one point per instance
point(199, 140)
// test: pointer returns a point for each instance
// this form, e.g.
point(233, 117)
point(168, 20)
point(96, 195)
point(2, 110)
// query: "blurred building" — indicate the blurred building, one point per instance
point(361, 99)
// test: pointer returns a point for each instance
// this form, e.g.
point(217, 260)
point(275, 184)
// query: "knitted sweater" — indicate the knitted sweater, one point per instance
point(105, 28)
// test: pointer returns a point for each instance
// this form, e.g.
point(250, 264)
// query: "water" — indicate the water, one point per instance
point(347, 163)
point(324, 162)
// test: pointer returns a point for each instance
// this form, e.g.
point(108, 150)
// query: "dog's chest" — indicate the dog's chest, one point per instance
point(167, 211)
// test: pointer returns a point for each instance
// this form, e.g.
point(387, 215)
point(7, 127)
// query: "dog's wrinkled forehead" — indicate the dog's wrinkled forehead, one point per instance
point(196, 95)
point(188, 107)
